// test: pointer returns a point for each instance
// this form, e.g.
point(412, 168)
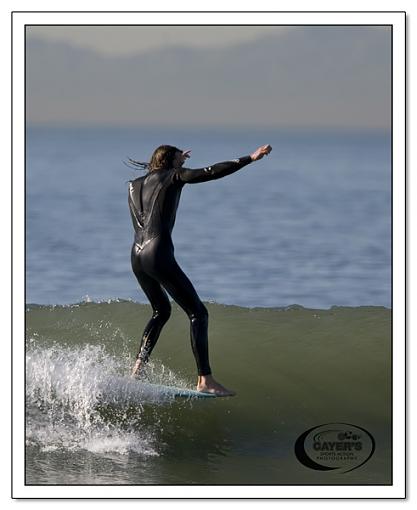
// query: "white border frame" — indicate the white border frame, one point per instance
point(397, 20)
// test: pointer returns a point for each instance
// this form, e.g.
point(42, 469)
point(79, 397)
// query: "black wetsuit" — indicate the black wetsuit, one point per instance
point(153, 201)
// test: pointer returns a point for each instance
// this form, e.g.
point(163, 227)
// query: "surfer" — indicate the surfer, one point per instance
point(153, 200)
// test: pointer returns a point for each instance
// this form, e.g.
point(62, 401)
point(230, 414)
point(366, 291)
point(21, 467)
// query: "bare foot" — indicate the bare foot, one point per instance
point(207, 384)
point(136, 369)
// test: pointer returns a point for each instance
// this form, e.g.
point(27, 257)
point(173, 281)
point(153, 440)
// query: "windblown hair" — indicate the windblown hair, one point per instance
point(163, 157)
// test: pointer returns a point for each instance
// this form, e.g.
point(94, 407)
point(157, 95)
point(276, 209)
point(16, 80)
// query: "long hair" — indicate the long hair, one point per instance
point(162, 157)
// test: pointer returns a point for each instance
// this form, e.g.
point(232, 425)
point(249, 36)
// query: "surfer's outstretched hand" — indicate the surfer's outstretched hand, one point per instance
point(260, 152)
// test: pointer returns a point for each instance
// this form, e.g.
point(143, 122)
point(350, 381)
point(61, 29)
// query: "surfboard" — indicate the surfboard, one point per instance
point(172, 391)
point(121, 390)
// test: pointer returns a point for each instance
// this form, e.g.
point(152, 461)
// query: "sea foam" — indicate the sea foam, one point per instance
point(84, 398)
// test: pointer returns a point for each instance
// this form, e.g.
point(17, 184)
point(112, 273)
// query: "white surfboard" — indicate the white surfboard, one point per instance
point(172, 391)
point(119, 390)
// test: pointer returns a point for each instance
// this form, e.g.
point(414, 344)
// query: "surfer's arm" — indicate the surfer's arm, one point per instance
point(209, 173)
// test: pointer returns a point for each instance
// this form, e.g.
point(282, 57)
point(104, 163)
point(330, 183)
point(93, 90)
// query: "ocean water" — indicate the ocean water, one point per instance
point(88, 422)
point(310, 224)
point(292, 256)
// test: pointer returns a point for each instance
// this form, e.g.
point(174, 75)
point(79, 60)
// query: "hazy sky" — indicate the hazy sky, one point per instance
point(133, 40)
point(314, 77)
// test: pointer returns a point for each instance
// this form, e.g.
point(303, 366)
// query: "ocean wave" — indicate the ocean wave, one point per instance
point(83, 398)
point(290, 367)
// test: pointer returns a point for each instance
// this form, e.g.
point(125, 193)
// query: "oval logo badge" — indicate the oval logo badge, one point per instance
point(337, 447)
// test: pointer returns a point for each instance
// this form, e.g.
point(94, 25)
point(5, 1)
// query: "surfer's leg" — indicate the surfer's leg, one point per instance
point(161, 312)
point(183, 292)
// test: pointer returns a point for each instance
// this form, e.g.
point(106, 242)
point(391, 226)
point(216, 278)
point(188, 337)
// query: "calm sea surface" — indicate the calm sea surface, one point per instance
point(310, 224)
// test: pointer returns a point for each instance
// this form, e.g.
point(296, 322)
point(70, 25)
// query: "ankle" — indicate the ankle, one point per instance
point(138, 366)
point(204, 380)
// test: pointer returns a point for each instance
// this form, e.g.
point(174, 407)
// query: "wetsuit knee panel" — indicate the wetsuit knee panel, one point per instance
point(162, 313)
point(200, 314)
